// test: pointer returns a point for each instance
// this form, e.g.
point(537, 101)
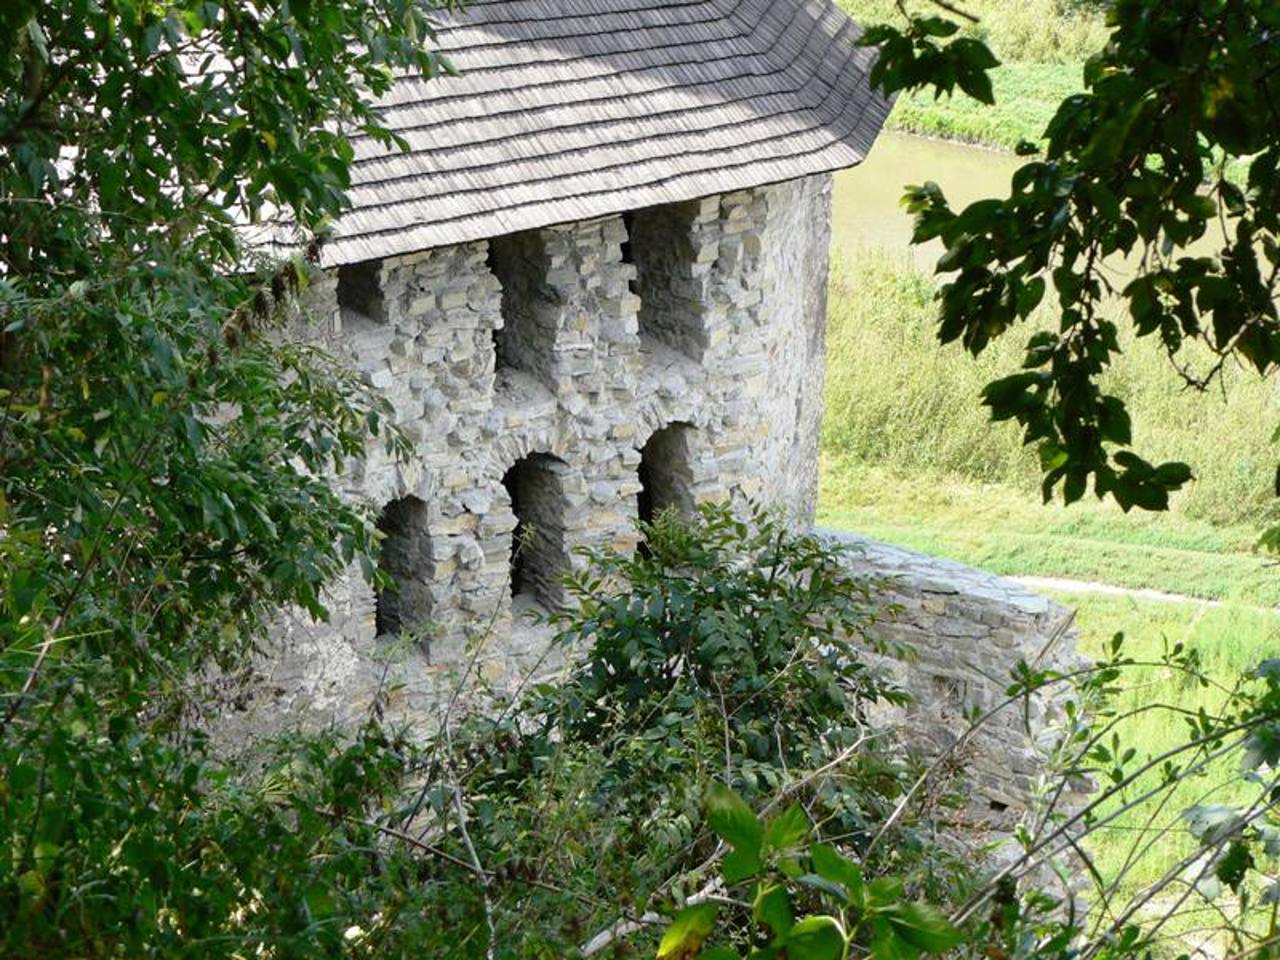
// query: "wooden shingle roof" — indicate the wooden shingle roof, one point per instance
point(570, 109)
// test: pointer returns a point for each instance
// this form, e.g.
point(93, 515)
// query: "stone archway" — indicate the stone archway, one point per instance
point(539, 544)
point(666, 472)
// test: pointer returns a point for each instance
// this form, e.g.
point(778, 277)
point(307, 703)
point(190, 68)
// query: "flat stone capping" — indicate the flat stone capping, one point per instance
point(969, 628)
point(942, 576)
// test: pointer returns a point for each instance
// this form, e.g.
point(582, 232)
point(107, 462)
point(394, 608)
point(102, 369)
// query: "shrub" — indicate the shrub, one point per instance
point(729, 650)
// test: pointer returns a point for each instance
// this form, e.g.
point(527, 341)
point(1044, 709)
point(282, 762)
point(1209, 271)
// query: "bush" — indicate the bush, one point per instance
point(728, 650)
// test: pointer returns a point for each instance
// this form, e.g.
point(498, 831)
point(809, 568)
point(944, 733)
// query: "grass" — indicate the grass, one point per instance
point(1009, 532)
point(1019, 31)
point(1027, 96)
point(1232, 641)
point(911, 458)
point(897, 399)
point(1042, 45)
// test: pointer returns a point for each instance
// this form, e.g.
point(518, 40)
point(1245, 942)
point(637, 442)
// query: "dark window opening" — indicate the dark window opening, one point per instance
point(539, 558)
point(644, 505)
point(526, 340)
point(666, 473)
point(360, 289)
point(628, 253)
point(491, 262)
point(663, 244)
point(405, 559)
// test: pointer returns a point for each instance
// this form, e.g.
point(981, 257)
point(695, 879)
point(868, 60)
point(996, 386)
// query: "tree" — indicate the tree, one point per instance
point(163, 462)
point(1174, 140)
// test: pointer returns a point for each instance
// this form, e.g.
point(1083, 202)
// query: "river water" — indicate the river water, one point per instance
point(867, 211)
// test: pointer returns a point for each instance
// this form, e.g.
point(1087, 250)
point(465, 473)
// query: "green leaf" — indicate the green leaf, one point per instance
point(733, 821)
point(772, 907)
point(688, 930)
point(740, 865)
point(935, 26)
point(826, 886)
point(787, 828)
point(924, 926)
point(830, 865)
point(815, 938)
point(885, 891)
point(887, 945)
point(1235, 865)
point(1029, 296)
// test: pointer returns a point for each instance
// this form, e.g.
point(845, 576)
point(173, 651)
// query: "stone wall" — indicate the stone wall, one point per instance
point(557, 384)
point(596, 369)
point(969, 629)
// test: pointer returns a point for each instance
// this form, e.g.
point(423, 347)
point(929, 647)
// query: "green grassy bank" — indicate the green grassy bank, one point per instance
point(1231, 640)
point(1042, 45)
point(898, 400)
point(911, 458)
point(1008, 531)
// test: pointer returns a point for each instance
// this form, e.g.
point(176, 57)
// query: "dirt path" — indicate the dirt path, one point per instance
point(1091, 586)
point(1066, 585)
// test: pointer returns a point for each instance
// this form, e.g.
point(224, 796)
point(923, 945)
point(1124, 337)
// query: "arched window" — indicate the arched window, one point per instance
point(539, 552)
point(666, 472)
point(406, 559)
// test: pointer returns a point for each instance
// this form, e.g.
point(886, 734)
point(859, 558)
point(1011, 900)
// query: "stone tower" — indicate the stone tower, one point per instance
point(593, 286)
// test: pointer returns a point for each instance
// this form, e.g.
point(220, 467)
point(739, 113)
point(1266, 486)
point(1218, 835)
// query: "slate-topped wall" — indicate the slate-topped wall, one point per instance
point(969, 628)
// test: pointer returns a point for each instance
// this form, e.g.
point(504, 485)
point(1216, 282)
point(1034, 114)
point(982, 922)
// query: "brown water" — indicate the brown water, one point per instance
point(867, 211)
point(867, 202)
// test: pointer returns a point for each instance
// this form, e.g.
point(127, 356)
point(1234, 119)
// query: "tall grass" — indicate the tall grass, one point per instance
point(1001, 530)
point(1231, 641)
point(897, 399)
point(1021, 31)
point(1027, 96)
point(1042, 45)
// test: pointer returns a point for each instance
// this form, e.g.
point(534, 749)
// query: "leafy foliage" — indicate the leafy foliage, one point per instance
point(875, 915)
point(184, 118)
point(1176, 95)
point(584, 798)
point(847, 905)
point(164, 456)
point(768, 625)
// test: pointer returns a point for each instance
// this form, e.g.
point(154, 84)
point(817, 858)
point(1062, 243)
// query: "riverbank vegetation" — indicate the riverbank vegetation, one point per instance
point(911, 458)
point(898, 399)
point(1042, 46)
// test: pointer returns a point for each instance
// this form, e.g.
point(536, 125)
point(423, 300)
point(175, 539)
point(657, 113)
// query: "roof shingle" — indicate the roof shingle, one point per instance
point(571, 109)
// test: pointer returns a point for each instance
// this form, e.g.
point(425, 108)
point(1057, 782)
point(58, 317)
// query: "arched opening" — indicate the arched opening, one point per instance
point(666, 472)
point(406, 559)
point(539, 552)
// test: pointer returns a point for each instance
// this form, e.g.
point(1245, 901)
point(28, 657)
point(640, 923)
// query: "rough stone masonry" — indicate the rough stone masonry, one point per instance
point(558, 383)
